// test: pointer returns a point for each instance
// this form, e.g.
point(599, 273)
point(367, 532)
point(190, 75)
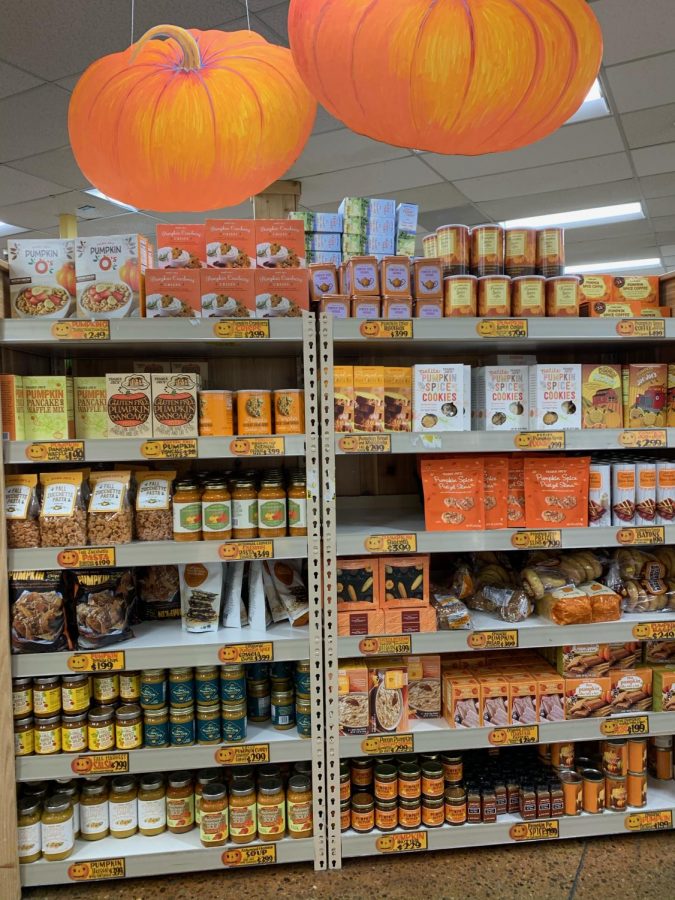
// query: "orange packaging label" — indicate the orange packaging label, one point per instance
point(386, 645)
point(625, 726)
point(181, 246)
point(173, 293)
point(643, 288)
point(110, 661)
point(230, 243)
point(281, 292)
point(660, 820)
point(408, 842)
point(515, 500)
point(81, 331)
point(229, 293)
point(280, 243)
point(454, 498)
point(647, 631)
point(496, 487)
point(595, 287)
point(391, 543)
point(387, 329)
point(56, 451)
point(641, 328)
point(540, 440)
point(365, 443)
point(101, 764)
point(647, 438)
point(493, 640)
point(502, 328)
point(170, 448)
point(647, 535)
point(514, 736)
point(86, 557)
point(256, 446)
point(537, 540)
point(97, 870)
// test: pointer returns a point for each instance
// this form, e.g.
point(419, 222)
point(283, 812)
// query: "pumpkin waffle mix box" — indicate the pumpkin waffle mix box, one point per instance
point(90, 402)
point(181, 247)
point(49, 413)
point(111, 275)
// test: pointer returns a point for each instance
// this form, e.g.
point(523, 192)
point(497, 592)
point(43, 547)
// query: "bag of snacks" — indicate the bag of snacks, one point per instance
point(21, 511)
point(233, 602)
point(201, 589)
point(291, 589)
point(63, 510)
point(556, 491)
point(454, 493)
point(104, 600)
point(110, 519)
point(154, 514)
point(451, 613)
point(640, 578)
point(159, 593)
point(507, 604)
point(38, 618)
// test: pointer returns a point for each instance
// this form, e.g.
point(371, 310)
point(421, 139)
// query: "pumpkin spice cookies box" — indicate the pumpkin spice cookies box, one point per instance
point(230, 243)
point(180, 247)
point(173, 293)
point(439, 397)
point(110, 275)
point(281, 292)
point(41, 278)
point(555, 397)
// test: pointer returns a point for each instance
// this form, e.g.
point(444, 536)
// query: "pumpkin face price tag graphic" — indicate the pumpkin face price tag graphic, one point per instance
point(56, 451)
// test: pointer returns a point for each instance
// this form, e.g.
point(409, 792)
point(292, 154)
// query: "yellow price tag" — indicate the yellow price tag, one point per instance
point(386, 645)
point(242, 330)
point(387, 329)
point(388, 743)
point(260, 855)
point(659, 820)
point(627, 726)
point(410, 842)
point(365, 443)
point(246, 755)
point(97, 869)
point(502, 328)
point(101, 764)
point(654, 631)
point(493, 640)
point(262, 651)
point(537, 540)
point(102, 661)
point(647, 535)
point(170, 448)
point(648, 438)
point(641, 328)
point(98, 330)
point(56, 451)
point(258, 446)
point(535, 831)
point(540, 440)
point(391, 543)
point(86, 557)
point(233, 550)
point(514, 736)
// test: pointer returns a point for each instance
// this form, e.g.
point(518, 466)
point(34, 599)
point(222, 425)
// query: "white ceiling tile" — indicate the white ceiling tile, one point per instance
point(466, 215)
point(601, 136)
point(650, 126)
point(654, 160)
point(658, 185)
point(342, 149)
point(58, 165)
point(661, 206)
point(13, 80)
point(637, 247)
point(625, 191)
point(644, 83)
point(366, 181)
point(668, 250)
point(16, 187)
point(131, 223)
point(555, 177)
point(325, 122)
point(631, 30)
point(429, 197)
point(606, 232)
point(661, 224)
point(44, 213)
point(39, 122)
point(242, 211)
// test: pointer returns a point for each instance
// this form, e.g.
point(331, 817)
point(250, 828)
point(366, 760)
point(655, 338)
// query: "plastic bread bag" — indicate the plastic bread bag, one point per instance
point(233, 577)
point(259, 616)
point(505, 603)
point(104, 601)
point(158, 592)
point(291, 589)
point(276, 607)
point(492, 569)
point(21, 511)
point(201, 589)
point(640, 579)
point(451, 613)
point(462, 584)
point(38, 614)
point(567, 605)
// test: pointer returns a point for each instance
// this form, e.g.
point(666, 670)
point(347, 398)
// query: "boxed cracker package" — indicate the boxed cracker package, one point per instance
point(230, 243)
point(110, 275)
point(173, 293)
point(180, 247)
point(228, 293)
point(281, 291)
point(41, 278)
point(280, 244)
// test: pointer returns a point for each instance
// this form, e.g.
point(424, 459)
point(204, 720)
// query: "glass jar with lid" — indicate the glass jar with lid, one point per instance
point(156, 727)
point(208, 723)
point(46, 697)
point(151, 805)
point(216, 511)
point(153, 689)
point(106, 688)
point(130, 687)
point(297, 505)
point(71, 789)
point(213, 825)
point(58, 838)
point(180, 803)
point(283, 710)
point(181, 688)
point(22, 697)
point(128, 727)
point(24, 736)
point(123, 807)
point(303, 716)
point(206, 684)
point(258, 700)
point(233, 721)
point(47, 735)
point(243, 807)
point(232, 683)
point(187, 511)
point(182, 726)
point(29, 836)
point(94, 818)
point(363, 813)
point(206, 776)
point(272, 513)
point(101, 728)
point(74, 733)
point(299, 813)
point(244, 509)
point(271, 809)
point(74, 694)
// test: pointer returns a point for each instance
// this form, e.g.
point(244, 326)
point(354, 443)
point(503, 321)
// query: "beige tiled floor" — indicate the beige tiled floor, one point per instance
point(641, 867)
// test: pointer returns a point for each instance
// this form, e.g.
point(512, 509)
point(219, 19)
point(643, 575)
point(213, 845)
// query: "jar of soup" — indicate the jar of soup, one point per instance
point(180, 803)
point(216, 511)
point(153, 689)
point(156, 727)
point(24, 736)
point(206, 684)
point(206, 776)
point(258, 701)
point(243, 807)
point(94, 818)
point(271, 809)
point(47, 735)
point(254, 412)
point(233, 721)
point(520, 251)
point(363, 813)
point(213, 825)
point(151, 805)
point(272, 516)
point(71, 789)
point(101, 728)
point(29, 834)
point(297, 505)
point(232, 683)
point(74, 733)
point(487, 250)
point(106, 688)
point(181, 688)
point(123, 807)
point(22, 697)
point(299, 813)
point(187, 511)
point(128, 727)
point(58, 838)
point(244, 510)
point(74, 694)
point(182, 726)
point(46, 697)
point(130, 687)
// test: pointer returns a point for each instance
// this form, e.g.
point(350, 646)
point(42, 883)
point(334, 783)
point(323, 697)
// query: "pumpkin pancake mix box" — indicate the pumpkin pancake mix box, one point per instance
point(129, 405)
point(110, 275)
point(174, 405)
point(41, 278)
point(180, 247)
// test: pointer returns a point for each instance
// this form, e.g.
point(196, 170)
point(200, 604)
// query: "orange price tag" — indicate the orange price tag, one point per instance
point(98, 330)
point(387, 329)
point(97, 869)
point(56, 451)
point(258, 446)
point(86, 557)
point(391, 543)
point(386, 645)
point(502, 328)
point(535, 831)
point(262, 651)
point(514, 736)
point(261, 855)
point(641, 328)
point(409, 842)
point(659, 820)
point(654, 631)
point(537, 540)
point(232, 550)
point(626, 726)
point(101, 764)
point(493, 640)
point(540, 440)
point(388, 743)
point(245, 755)
point(365, 443)
point(647, 535)
point(170, 448)
point(647, 438)
point(252, 329)
point(101, 661)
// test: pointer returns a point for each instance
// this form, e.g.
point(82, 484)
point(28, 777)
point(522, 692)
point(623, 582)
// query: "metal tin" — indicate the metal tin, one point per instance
point(637, 754)
point(572, 785)
point(636, 784)
point(615, 757)
point(593, 791)
point(616, 792)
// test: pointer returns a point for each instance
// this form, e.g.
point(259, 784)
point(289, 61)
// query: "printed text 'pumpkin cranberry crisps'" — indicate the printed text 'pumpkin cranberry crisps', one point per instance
point(199, 121)
point(458, 76)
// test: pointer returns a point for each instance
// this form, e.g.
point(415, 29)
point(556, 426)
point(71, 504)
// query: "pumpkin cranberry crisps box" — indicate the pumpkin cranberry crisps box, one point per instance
point(111, 275)
point(173, 293)
point(230, 243)
point(453, 493)
point(556, 491)
point(181, 247)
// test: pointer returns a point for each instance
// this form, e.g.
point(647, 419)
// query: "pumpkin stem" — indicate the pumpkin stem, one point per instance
point(186, 42)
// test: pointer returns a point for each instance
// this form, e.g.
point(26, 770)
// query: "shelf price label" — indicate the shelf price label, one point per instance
point(236, 550)
point(89, 557)
point(641, 328)
point(386, 645)
point(262, 651)
point(647, 438)
point(391, 543)
point(258, 446)
point(170, 448)
point(251, 330)
point(112, 661)
point(540, 440)
point(247, 755)
point(388, 743)
point(97, 870)
point(514, 736)
point(262, 855)
point(402, 843)
point(365, 443)
point(628, 726)
point(659, 820)
point(647, 535)
point(537, 540)
point(548, 830)
point(502, 328)
point(387, 329)
point(98, 330)
point(654, 631)
point(493, 640)
point(101, 764)
point(56, 451)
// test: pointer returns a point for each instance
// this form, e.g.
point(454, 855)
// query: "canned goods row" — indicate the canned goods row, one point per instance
point(251, 412)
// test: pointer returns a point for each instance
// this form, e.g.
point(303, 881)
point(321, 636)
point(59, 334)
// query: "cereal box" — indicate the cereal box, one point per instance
point(424, 687)
point(181, 247)
point(404, 581)
point(175, 405)
point(91, 413)
point(322, 280)
point(555, 397)
point(388, 687)
point(403, 620)
point(395, 276)
point(461, 701)
point(369, 398)
point(362, 277)
point(49, 412)
point(397, 398)
point(601, 396)
point(173, 293)
point(363, 622)
point(110, 275)
point(343, 398)
point(647, 395)
point(230, 243)
point(500, 398)
point(427, 279)
point(438, 397)
point(454, 493)
point(358, 584)
point(12, 407)
point(644, 288)
point(228, 293)
point(129, 405)
point(353, 706)
point(41, 278)
point(663, 687)
point(281, 292)
point(631, 690)
point(280, 243)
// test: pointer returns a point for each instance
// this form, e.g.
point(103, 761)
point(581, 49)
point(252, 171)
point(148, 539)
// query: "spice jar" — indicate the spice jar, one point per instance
point(283, 710)
point(409, 781)
point(130, 687)
point(244, 509)
point(474, 805)
point(272, 516)
point(455, 805)
point(187, 511)
point(258, 701)
point(156, 727)
point(271, 809)
point(22, 697)
point(47, 735)
point(29, 834)
point(216, 511)
point(232, 683)
point(74, 694)
point(180, 803)
point(58, 839)
point(123, 807)
point(433, 811)
point(297, 505)
point(243, 821)
point(206, 776)
point(299, 807)
point(363, 813)
point(24, 736)
point(106, 689)
point(101, 728)
point(206, 684)
point(46, 697)
point(151, 805)
point(182, 727)
point(128, 727)
point(153, 689)
point(74, 733)
point(213, 825)
point(233, 721)
point(181, 688)
point(208, 723)
point(487, 250)
point(303, 716)
point(386, 814)
point(94, 817)
point(410, 813)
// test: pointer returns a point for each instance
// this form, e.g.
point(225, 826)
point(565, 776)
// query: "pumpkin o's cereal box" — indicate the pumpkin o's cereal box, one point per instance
point(110, 275)
point(41, 278)
point(556, 491)
point(454, 493)
point(180, 247)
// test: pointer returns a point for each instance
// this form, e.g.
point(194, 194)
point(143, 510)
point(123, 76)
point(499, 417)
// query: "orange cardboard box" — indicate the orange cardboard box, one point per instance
point(388, 688)
point(523, 698)
point(280, 243)
point(595, 287)
point(354, 624)
point(230, 243)
point(404, 581)
point(181, 247)
point(397, 398)
point(353, 705)
point(427, 279)
point(550, 697)
point(343, 398)
point(369, 398)
point(625, 309)
point(631, 690)
point(641, 288)
point(406, 620)
point(496, 490)
point(588, 698)
point(362, 277)
point(424, 687)
point(494, 701)
point(173, 293)
point(281, 292)
point(12, 407)
point(396, 308)
point(395, 277)
point(461, 701)
point(428, 309)
point(228, 293)
point(454, 493)
point(358, 584)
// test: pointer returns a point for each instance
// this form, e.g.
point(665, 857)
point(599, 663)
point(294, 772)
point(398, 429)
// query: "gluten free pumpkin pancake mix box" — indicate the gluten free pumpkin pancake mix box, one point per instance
point(111, 275)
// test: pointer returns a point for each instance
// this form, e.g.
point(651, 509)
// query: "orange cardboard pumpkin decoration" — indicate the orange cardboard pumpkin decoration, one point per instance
point(202, 120)
point(458, 76)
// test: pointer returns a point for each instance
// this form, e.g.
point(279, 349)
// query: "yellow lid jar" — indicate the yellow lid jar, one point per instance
point(48, 736)
point(24, 736)
point(74, 694)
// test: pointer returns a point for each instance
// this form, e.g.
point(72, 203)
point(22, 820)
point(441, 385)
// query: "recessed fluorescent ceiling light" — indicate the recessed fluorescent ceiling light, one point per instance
point(7, 229)
point(94, 192)
point(614, 266)
point(593, 106)
point(579, 218)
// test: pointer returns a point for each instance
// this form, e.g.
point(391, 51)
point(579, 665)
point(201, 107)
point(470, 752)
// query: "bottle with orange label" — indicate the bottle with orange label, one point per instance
point(243, 809)
point(272, 514)
point(299, 807)
point(271, 809)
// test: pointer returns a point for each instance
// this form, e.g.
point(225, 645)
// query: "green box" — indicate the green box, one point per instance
point(353, 244)
point(663, 689)
point(91, 408)
point(49, 407)
point(405, 243)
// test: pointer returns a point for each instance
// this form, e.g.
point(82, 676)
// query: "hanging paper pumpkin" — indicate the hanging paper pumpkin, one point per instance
point(200, 121)
point(449, 76)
